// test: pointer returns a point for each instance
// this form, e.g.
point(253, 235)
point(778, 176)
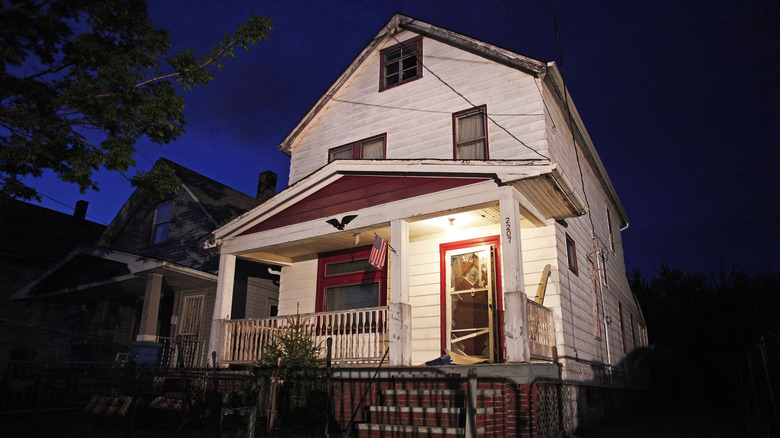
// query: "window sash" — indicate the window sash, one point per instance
point(571, 254)
point(162, 217)
point(471, 135)
point(352, 296)
point(346, 281)
point(401, 63)
point(372, 148)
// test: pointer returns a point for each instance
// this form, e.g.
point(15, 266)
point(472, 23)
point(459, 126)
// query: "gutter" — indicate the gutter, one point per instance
point(564, 185)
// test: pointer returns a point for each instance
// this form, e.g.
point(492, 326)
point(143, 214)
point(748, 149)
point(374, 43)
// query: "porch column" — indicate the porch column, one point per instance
point(400, 311)
point(223, 303)
point(515, 310)
point(147, 332)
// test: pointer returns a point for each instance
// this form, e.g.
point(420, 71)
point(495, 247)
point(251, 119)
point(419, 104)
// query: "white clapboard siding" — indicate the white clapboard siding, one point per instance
point(259, 292)
point(417, 116)
point(298, 287)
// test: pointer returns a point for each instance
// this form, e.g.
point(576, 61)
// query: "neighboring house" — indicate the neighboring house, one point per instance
point(473, 164)
point(148, 278)
point(32, 238)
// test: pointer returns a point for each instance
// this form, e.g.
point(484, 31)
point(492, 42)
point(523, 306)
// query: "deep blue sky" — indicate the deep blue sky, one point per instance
point(680, 97)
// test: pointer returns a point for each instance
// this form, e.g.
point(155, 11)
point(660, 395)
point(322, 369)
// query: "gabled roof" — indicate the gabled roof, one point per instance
point(401, 22)
point(38, 233)
point(548, 71)
point(218, 201)
point(223, 203)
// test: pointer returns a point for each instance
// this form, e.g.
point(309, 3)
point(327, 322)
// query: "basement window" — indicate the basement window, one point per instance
point(162, 220)
point(401, 63)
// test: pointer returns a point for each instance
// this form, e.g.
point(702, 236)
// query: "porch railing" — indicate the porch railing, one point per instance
point(189, 353)
point(359, 335)
point(541, 331)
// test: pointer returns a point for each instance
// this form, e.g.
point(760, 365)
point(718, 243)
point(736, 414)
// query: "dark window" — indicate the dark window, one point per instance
point(162, 220)
point(372, 148)
point(611, 235)
point(470, 134)
point(401, 63)
point(345, 280)
point(571, 254)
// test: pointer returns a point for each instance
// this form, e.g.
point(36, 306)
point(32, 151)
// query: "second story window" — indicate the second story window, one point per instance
point(369, 149)
point(470, 134)
point(401, 63)
point(162, 220)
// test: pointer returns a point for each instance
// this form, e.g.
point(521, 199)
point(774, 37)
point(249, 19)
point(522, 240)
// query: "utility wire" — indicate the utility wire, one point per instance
point(70, 207)
point(474, 106)
point(431, 111)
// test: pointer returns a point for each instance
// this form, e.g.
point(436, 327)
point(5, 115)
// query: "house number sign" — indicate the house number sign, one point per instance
point(508, 230)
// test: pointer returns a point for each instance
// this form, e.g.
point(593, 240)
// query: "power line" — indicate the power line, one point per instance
point(474, 106)
point(432, 111)
point(70, 207)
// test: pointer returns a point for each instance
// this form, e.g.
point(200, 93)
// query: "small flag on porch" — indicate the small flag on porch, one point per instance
point(378, 252)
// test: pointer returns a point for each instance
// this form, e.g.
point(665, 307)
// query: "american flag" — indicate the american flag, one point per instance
point(378, 252)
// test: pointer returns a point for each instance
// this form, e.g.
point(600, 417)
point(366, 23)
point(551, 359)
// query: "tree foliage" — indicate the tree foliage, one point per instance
point(83, 80)
point(715, 318)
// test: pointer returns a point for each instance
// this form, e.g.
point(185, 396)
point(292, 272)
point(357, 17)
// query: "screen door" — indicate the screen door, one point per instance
point(470, 302)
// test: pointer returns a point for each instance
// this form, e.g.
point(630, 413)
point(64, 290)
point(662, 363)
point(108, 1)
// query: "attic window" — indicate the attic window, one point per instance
point(470, 134)
point(401, 63)
point(162, 220)
point(372, 148)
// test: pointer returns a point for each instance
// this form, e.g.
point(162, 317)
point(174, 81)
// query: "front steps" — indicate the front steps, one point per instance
point(430, 407)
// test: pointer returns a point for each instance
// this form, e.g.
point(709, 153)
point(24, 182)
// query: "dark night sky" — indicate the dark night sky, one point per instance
point(680, 98)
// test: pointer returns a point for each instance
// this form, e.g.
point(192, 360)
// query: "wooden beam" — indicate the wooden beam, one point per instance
point(542, 289)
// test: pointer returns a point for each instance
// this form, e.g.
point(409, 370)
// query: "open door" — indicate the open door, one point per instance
point(469, 302)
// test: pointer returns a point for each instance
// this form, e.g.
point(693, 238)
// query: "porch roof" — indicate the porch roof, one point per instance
point(377, 191)
point(98, 273)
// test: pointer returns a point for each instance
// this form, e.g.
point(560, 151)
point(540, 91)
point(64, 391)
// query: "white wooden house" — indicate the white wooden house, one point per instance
point(473, 164)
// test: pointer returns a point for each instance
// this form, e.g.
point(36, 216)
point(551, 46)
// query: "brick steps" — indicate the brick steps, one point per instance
point(427, 408)
point(371, 430)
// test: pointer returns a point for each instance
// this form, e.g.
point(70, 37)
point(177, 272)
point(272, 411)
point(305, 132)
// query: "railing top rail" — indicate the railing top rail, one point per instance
point(316, 314)
point(537, 305)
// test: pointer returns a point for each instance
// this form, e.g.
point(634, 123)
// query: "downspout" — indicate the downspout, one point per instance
point(603, 309)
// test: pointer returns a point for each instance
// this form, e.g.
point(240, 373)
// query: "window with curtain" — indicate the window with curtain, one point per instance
point(401, 63)
point(470, 134)
point(372, 148)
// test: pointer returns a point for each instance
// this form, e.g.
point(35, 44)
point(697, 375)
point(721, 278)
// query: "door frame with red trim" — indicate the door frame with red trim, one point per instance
point(498, 313)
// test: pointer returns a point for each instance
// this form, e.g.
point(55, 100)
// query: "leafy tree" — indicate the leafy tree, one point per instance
point(303, 395)
point(81, 81)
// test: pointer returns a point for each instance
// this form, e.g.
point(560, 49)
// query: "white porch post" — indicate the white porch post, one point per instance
point(147, 332)
point(400, 311)
point(223, 303)
point(515, 311)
